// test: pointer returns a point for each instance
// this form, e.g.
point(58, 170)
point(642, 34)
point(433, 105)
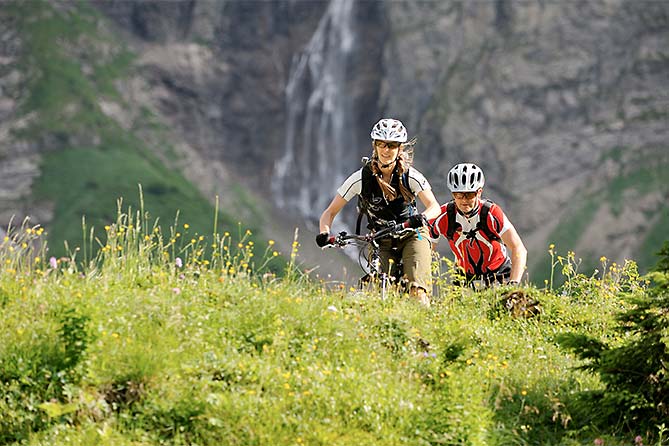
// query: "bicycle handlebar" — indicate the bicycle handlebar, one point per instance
point(343, 239)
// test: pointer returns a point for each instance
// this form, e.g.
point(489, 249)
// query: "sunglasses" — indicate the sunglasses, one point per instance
point(389, 144)
point(465, 195)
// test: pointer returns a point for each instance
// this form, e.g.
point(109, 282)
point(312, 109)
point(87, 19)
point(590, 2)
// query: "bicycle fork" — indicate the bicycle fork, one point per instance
point(375, 268)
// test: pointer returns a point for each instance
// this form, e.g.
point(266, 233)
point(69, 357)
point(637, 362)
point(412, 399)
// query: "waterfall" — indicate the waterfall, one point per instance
point(319, 129)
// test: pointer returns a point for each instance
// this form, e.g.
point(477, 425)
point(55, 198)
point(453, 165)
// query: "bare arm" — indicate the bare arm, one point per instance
point(518, 253)
point(329, 214)
point(432, 208)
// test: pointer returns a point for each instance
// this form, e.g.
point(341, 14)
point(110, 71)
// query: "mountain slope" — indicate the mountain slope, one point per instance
point(564, 106)
point(86, 145)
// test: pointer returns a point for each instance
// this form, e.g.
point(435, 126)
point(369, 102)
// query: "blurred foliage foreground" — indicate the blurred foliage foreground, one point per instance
point(164, 338)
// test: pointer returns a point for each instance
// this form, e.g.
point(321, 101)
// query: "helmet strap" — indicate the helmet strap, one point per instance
point(474, 210)
point(383, 166)
point(375, 156)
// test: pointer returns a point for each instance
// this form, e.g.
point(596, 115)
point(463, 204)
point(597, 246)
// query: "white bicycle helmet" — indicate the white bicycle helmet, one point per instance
point(465, 177)
point(389, 130)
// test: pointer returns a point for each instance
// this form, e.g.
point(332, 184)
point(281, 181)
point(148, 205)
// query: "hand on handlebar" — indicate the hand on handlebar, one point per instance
point(415, 221)
point(324, 239)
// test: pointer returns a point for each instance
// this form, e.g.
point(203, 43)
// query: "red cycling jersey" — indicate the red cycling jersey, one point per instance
point(476, 252)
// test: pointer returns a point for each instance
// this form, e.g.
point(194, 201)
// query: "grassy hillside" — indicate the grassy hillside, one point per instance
point(137, 347)
point(88, 160)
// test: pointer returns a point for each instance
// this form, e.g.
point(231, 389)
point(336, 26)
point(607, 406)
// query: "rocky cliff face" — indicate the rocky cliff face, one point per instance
point(245, 81)
point(564, 105)
point(18, 160)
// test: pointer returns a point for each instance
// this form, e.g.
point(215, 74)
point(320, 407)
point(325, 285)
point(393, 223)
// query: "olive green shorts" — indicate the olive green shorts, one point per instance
point(415, 251)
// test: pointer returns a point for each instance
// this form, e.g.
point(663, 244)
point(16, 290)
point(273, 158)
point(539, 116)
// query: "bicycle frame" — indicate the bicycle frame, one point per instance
point(375, 275)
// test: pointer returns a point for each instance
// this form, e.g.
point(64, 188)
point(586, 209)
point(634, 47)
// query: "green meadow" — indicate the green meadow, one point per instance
point(147, 335)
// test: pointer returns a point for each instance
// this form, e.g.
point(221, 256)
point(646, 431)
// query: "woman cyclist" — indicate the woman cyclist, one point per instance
point(387, 186)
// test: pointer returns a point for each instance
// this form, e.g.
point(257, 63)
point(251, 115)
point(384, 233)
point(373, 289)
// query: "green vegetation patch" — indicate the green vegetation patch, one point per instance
point(88, 182)
point(137, 349)
point(615, 153)
point(648, 178)
point(644, 170)
point(65, 69)
point(654, 238)
point(567, 233)
point(92, 161)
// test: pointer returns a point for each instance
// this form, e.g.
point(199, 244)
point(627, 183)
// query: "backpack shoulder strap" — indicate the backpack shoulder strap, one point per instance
point(482, 225)
point(358, 221)
point(362, 204)
point(405, 181)
point(450, 214)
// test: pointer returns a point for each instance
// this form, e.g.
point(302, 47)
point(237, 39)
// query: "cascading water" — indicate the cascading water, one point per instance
point(319, 130)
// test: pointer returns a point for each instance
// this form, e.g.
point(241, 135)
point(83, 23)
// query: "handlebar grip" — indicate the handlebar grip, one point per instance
point(400, 227)
point(396, 228)
point(331, 242)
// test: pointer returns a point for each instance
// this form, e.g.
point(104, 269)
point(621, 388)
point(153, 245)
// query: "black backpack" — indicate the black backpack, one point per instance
point(366, 178)
point(482, 224)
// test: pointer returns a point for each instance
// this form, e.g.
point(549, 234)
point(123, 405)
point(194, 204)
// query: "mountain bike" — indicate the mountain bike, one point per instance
point(369, 257)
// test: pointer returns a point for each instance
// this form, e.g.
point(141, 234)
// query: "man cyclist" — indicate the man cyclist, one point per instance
point(387, 186)
point(478, 231)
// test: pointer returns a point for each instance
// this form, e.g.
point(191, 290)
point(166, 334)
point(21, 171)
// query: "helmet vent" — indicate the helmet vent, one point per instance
point(388, 129)
point(465, 177)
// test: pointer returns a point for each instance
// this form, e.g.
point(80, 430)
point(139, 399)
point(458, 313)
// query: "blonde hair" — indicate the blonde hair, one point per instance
point(402, 164)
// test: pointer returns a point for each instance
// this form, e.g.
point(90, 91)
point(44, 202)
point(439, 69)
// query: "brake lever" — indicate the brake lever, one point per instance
point(336, 241)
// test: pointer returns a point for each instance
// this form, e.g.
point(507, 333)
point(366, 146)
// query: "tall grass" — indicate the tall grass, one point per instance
point(157, 337)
